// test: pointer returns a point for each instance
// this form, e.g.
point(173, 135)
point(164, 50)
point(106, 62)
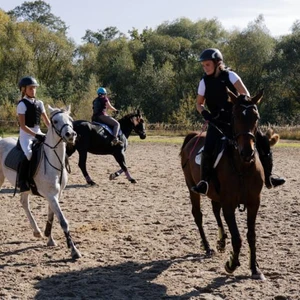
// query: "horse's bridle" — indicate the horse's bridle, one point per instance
point(58, 132)
point(247, 133)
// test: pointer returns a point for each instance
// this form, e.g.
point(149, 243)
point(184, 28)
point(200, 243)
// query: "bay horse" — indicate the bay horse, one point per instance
point(93, 138)
point(50, 176)
point(237, 181)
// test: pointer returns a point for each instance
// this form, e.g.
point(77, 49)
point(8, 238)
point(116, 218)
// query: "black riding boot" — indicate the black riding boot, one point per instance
point(267, 163)
point(23, 175)
point(206, 168)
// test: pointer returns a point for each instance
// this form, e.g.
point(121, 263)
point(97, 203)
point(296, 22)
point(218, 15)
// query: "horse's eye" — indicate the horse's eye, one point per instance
point(55, 122)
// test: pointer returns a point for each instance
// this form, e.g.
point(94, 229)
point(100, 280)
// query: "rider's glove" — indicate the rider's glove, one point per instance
point(206, 115)
point(40, 137)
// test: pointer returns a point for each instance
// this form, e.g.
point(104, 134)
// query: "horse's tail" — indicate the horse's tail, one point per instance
point(273, 137)
point(187, 139)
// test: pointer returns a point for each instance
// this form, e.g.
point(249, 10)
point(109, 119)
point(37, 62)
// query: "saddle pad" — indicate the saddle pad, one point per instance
point(13, 158)
point(198, 157)
point(106, 127)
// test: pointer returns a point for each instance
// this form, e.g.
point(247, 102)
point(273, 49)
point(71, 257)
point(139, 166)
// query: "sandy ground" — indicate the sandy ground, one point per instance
point(139, 241)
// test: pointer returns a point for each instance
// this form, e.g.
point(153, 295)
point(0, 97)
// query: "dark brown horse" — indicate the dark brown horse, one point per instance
point(237, 181)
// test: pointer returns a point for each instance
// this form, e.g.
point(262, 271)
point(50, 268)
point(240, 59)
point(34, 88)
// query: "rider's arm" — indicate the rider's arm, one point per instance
point(21, 119)
point(109, 106)
point(200, 101)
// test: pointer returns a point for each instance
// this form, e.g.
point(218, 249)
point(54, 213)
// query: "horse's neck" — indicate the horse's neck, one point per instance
point(54, 147)
point(126, 127)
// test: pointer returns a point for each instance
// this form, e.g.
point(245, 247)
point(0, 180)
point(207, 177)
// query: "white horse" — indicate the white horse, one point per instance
point(51, 174)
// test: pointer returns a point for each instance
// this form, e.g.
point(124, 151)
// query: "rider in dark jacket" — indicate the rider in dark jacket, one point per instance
point(100, 106)
point(212, 91)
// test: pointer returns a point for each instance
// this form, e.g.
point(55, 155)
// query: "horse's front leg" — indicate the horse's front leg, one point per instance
point(251, 237)
point(48, 228)
point(120, 158)
point(198, 218)
point(55, 207)
point(221, 243)
point(25, 204)
point(82, 166)
point(233, 263)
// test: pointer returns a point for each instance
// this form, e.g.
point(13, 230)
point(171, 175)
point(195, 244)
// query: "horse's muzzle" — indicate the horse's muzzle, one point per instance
point(70, 137)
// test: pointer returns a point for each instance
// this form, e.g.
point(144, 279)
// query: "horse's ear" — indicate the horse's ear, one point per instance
point(232, 97)
point(50, 109)
point(68, 108)
point(138, 113)
point(256, 99)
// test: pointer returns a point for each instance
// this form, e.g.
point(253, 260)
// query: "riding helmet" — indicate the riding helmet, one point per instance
point(101, 91)
point(27, 81)
point(211, 54)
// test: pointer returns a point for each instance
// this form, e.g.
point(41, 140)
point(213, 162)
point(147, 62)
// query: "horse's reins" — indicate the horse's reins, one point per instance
point(58, 132)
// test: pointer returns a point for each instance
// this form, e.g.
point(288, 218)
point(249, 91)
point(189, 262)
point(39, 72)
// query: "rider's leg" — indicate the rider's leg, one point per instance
point(23, 175)
point(266, 158)
point(116, 127)
point(207, 161)
point(206, 169)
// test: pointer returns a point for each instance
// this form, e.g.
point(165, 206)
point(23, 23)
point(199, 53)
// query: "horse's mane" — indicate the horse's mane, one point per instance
point(273, 137)
point(187, 139)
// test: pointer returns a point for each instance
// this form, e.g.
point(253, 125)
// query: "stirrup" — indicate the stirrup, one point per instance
point(201, 188)
point(116, 142)
point(274, 182)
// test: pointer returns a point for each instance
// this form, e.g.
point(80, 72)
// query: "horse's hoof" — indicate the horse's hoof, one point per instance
point(91, 183)
point(75, 254)
point(221, 245)
point(38, 234)
point(229, 269)
point(210, 253)
point(132, 180)
point(112, 176)
point(258, 275)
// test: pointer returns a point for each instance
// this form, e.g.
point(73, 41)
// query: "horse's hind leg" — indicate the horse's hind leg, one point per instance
point(198, 217)
point(55, 207)
point(82, 166)
point(25, 204)
point(48, 228)
point(251, 237)
point(221, 243)
point(233, 263)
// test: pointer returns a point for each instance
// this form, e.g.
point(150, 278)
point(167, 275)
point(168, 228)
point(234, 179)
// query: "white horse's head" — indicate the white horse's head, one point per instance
point(62, 123)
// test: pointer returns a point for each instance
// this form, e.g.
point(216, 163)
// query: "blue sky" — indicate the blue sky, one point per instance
point(279, 15)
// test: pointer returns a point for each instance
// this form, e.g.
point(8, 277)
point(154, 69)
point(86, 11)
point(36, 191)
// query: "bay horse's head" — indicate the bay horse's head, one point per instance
point(138, 124)
point(62, 123)
point(245, 118)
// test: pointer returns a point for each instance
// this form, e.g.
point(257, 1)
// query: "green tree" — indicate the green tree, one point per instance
point(40, 12)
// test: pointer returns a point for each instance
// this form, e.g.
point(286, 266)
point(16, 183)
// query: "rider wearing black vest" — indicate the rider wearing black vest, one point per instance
point(212, 91)
point(32, 114)
point(30, 111)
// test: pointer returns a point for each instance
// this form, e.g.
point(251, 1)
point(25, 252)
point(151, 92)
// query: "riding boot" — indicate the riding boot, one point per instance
point(23, 175)
point(267, 163)
point(206, 168)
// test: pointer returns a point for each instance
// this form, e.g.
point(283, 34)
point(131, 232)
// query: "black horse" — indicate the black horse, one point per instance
point(95, 139)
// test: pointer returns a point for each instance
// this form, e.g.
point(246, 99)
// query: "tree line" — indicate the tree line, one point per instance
point(155, 70)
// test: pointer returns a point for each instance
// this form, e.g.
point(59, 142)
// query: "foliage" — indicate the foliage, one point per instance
point(155, 70)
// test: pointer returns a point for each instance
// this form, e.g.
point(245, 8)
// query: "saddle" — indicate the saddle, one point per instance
point(15, 157)
point(102, 129)
point(220, 147)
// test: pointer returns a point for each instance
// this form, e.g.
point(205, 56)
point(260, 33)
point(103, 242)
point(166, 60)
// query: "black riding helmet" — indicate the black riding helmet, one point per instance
point(27, 81)
point(211, 54)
